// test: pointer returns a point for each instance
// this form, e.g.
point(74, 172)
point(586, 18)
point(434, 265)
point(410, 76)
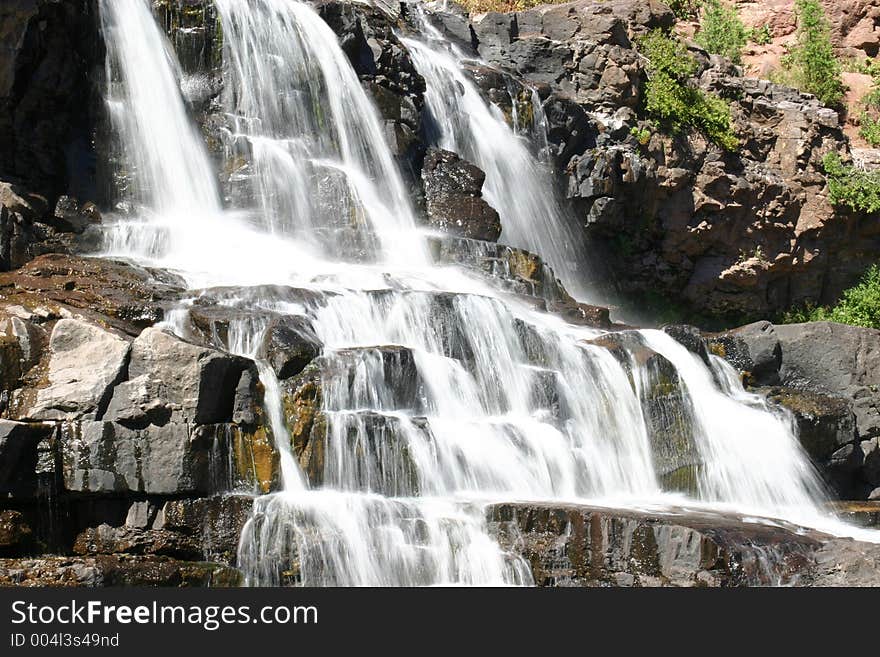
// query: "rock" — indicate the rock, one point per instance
point(123, 296)
point(754, 350)
point(454, 197)
point(18, 454)
point(197, 384)
point(825, 423)
point(583, 546)
point(289, 344)
point(216, 523)
point(836, 359)
point(85, 363)
point(105, 539)
point(116, 571)
point(691, 338)
point(15, 534)
point(71, 217)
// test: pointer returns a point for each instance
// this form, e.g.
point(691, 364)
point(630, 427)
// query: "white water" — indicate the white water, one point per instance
point(518, 185)
point(480, 397)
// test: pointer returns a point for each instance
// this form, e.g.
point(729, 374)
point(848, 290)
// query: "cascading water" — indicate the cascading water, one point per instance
point(440, 392)
point(518, 185)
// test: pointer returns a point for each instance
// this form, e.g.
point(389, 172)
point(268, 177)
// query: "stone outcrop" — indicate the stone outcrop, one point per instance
point(454, 197)
point(584, 546)
point(828, 376)
point(741, 234)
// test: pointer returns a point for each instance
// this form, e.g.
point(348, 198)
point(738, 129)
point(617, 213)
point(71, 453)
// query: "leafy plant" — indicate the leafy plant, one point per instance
point(685, 9)
point(870, 129)
point(642, 135)
point(859, 306)
point(850, 186)
point(761, 36)
point(811, 64)
point(721, 31)
point(672, 101)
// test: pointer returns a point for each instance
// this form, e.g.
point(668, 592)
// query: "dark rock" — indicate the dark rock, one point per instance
point(18, 453)
point(115, 570)
point(71, 217)
point(15, 534)
point(755, 350)
point(290, 343)
point(105, 539)
point(215, 523)
point(454, 197)
point(582, 546)
point(690, 338)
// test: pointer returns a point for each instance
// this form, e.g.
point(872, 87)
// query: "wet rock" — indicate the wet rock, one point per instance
point(754, 350)
point(691, 338)
point(289, 344)
point(454, 197)
point(72, 217)
point(105, 539)
point(582, 546)
point(666, 408)
point(121, 295)
point(214, 523)
point(196, 384)
point(825, 423)
point(115, 570)
point(85, 363)
point(15, 534)
point(18, 454)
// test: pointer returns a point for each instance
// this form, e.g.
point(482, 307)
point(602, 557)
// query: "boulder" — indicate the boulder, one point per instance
point(215, 523)
point(18, 453)
point(454, 197)
point(15, 534)
point(754, 350)
point(289, 344)
point(85, 363)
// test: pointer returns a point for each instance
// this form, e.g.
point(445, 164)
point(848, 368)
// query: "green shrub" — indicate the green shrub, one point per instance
point(870, 129)
point(859, 306)
point(673, 102)
point(761, 36)
point(685, 9)
point(811, 64)
point(850, 186)
point(721, 31)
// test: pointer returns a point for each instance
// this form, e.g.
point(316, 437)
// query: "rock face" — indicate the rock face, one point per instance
point(741, 234)
point(583, 546)
point(454, 197)
point(828, 376)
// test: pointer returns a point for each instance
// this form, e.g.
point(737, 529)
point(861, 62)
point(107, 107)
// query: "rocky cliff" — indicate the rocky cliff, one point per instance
point(133, 456)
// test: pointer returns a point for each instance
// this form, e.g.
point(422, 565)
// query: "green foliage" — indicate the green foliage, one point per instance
point(870, 129)
point(850, 186)
point(721, 31)
point(761, 36)
point(685, 9)
point(673, 102)
point(811, 64)
point(860, 306)
point(642, 135)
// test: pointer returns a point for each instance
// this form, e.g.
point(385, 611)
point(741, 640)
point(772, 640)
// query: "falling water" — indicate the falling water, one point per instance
point(518, 185)
point(170, 167)
point(440, 392)
point(301, 117)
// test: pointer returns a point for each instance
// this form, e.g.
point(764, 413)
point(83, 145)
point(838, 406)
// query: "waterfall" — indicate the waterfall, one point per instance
point(440, 392)
point(518, 185)
point(300, 115)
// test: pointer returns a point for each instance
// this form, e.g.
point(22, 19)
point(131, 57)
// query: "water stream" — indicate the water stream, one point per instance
point(441, 392)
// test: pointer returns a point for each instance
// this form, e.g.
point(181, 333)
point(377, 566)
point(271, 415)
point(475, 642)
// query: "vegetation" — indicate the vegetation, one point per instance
point(811, 65)
point(860, 305)
point(503, 6)
point(685, 9)
point(850, 186)
point(761, 36)
point(673, 102)
point(721, 31)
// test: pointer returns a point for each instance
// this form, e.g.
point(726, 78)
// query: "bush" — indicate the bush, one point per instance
point(850, 186)
point(685, 9)
point(870, 129)
point(672, 101)
point(761, 36)
point(860, 305)
point(811, 64)
point(721, 31)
